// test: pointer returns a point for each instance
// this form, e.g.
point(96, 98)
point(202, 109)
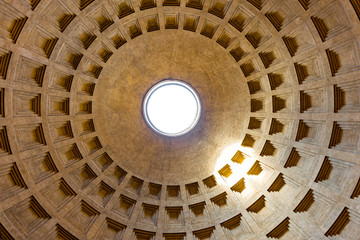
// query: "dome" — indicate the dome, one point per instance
point(272, 154)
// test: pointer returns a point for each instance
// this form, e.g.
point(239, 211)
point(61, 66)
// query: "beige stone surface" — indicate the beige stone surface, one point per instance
point(275, 154)
point(119, 96)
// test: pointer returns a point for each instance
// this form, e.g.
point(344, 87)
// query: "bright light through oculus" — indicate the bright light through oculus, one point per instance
point(172, 108)
point(238, 170)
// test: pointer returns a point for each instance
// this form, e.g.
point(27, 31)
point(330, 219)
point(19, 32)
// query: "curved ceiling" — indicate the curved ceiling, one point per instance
point(274, 155)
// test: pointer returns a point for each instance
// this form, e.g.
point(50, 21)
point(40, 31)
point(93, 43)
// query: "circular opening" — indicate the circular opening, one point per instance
point(171, 108)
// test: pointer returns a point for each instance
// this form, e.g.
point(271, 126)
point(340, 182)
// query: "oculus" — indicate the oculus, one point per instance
point(171, 108)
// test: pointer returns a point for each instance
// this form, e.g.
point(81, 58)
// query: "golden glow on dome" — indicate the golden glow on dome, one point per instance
point(239, 165)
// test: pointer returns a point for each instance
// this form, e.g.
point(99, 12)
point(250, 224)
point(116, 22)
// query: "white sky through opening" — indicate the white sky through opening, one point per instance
point(172, 108)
